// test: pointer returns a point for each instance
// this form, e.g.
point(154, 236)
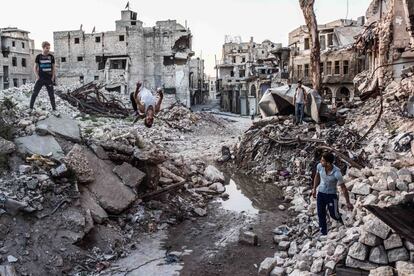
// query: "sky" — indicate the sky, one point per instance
point(209, 21)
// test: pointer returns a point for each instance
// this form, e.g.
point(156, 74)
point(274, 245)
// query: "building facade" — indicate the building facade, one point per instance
point(159, 55)
point(16, 59)
point(198, 82)
point(245, 73)
point(339, 62)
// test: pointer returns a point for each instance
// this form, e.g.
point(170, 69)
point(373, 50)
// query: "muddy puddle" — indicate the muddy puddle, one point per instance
point(209, 245)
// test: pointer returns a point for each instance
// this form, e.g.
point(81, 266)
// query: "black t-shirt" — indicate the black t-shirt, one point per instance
point(45, 66)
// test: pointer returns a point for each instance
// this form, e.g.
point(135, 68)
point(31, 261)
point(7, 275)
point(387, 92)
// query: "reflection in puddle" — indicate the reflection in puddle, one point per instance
point(237, 201)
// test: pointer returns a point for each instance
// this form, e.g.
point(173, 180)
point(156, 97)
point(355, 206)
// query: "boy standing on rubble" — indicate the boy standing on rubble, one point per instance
point(300, 101)
point(328, 177)
point(144, 102)
point(45, 73)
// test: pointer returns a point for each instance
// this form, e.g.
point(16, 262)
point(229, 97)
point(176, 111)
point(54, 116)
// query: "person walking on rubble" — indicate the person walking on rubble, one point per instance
point(328, 177)
point(144, 102)
point(45, 73)
point(300, 101)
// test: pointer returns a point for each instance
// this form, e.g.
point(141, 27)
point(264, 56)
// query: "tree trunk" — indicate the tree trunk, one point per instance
point(315, 57)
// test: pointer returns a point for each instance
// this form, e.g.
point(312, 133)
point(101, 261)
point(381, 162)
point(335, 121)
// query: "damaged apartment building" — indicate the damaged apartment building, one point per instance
point(159, 56)
point(339, 62)
point(384, 44)
point(17, 58)
point(246, 71)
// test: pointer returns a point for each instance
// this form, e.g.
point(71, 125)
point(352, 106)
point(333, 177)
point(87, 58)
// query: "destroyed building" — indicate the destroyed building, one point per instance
point(212, 88)
point(385, 44)
point(198, 82)
point(339, 63)
point(159, 55)
point(246, 72)
point(17, 57)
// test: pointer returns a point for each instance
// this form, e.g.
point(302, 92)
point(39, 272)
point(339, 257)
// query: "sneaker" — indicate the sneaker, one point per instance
point(55, 113)
point(31, 111)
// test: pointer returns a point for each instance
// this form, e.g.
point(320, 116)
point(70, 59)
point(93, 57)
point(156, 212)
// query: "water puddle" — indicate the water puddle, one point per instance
point(249, 196)
point(237, 201)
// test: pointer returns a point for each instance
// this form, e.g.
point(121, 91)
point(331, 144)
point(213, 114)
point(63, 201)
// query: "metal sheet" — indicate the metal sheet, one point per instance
point(399, 217)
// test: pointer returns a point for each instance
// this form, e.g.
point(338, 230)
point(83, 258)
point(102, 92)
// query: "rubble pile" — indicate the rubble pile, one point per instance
point(87, 187)
point(379, 173)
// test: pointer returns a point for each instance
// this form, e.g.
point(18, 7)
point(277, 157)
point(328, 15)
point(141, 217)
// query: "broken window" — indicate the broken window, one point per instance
point(24, 81)
point(23, 45)
point(263, 52)
point(168, 60)
point(234, 59)
point(231, 73)
point(242, 73)
point(306, 70)
point(329, 68)
point(77, 40)
point(337, 67)
point(63, 59)
point(243, 59)
point(117, 64)
point(121, 38)
point(96, 77)
point(13, 43)
point(307, 44)
point(81, 79)
point(23, 62)
point(133, 23)
point(80, 58)
point(98, 58)
point(322, 42)
point(345, 67)
point(14, 61)
point(330, 39)
point(97, 39)
point(15, 82)
point(321, 68)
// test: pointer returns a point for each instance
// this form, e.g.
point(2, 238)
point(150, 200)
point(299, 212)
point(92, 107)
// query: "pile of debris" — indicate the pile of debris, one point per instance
point(379, 173)
point(92, 185)
point(92, 99)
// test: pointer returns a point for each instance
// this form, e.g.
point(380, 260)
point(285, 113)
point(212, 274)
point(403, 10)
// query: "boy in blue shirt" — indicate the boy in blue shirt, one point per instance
point(328, 177)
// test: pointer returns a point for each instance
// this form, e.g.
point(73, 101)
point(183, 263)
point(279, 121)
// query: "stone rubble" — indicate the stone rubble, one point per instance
point(277, 151)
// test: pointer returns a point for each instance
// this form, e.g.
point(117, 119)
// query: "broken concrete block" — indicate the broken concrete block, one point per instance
point(111, 193)
point(361, 188)
point(59, 171)
point(248, 237)
point(279, 238)
point(213, 174)
point(88, 202)
point(369, 239)
point(266, 266)
point(131, 176)
point(317, 265)
point(200, 212)
point(293, 248)
point(283, 245)
point(393, 241)
point(358, 251)
point(78, 162)
point(354, 263)
point(377, 227)
point(378, 255)
point(165, 181)
point(278, 271)
point(404, 268)
point(401, 186)
point(382, 271)
point(41, 145)
point(398, 254)
point(6, 147)
point(405, 175)
point(218, 187)
point(380, 185)
point(99, 151)
point(63, 127)
point(12, 259)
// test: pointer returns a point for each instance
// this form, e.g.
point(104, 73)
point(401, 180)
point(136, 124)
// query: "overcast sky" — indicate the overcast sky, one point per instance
point(208, 20)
